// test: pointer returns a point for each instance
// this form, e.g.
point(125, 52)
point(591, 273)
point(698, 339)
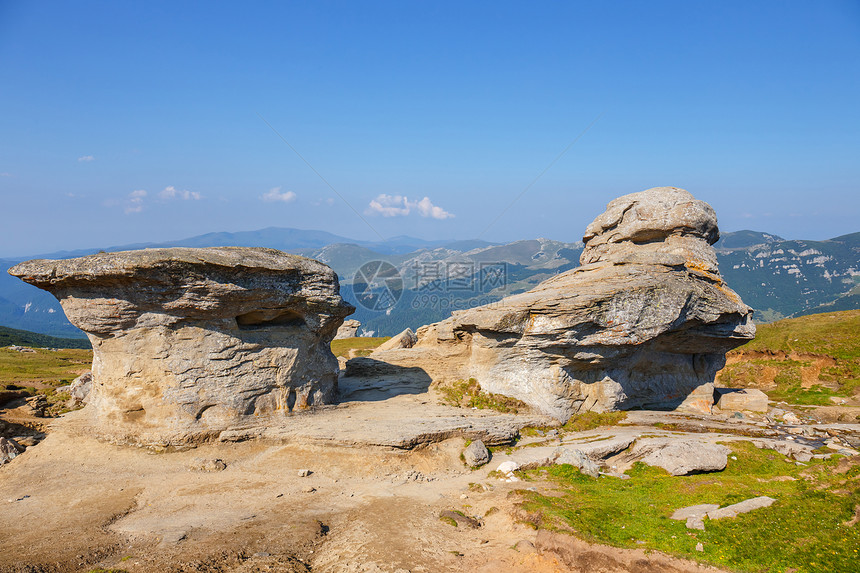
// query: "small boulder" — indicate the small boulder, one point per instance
point(80, 389)
point(682, 458)
point(9, 449)
point(405, 339)
point(348, 329)
point(745, 400)
point(476, 454)
point(578, 459)
point(304, 473)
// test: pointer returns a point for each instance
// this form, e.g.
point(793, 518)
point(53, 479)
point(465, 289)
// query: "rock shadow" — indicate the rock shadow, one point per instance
point(370, 380)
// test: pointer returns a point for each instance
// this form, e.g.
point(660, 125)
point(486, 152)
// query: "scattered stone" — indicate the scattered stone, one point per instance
point(26, 441)
point(460, 519)
point(790, 418)
point(507, 469)
point(578, 460)
point(700, 547)
point(36, 405)
point(476, 454)
point(695, 522)
point(308, 489)
point(304, 473)
point(748, 399)
point(743, 507)
point(207, 465)
point(646, 319)
point(189, 343)
point(681, 458)
point(405, 339)
point(9, 449)
point(348, 329)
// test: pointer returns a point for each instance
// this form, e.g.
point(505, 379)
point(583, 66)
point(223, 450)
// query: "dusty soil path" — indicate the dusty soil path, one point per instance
point(74, 503)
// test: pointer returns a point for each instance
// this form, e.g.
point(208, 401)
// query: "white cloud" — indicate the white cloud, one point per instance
point(274, 194)
point(172, 192)
point(135, 201)
point(5, 174)
point(400, 206)
point(389, 205)
point(86, 158)
point(428, 209)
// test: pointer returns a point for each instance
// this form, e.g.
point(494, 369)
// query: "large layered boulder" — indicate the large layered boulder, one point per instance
point(645, 320)
point(188, 342)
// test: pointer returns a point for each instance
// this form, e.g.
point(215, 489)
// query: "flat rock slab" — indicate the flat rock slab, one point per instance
point(743, 507)
point(694, 511)
point(404, 422)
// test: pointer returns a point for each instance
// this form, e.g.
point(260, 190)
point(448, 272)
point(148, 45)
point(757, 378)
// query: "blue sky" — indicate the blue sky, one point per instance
point(124, 122)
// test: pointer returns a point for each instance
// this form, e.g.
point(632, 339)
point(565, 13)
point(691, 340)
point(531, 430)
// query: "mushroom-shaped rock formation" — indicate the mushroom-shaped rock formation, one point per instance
point(644, 322)
point(188, 342)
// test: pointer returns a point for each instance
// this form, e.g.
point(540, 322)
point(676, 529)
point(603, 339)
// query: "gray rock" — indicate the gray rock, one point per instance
point(645, 321)
point(476, 454)
point(748, 399)
point(681, 457)
point(695, 522)
point(80, 389)
point(405, 339)
point(694, 511)
point(189, 343)
point(578, 460)
point(790, 418)
point(743, 507)
point(9, 449)
point(348, 329)
point(603, 449)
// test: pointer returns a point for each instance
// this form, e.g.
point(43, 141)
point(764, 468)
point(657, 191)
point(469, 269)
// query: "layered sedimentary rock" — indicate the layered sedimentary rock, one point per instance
point(191, 342)
point(645, 321)
point(349, 329)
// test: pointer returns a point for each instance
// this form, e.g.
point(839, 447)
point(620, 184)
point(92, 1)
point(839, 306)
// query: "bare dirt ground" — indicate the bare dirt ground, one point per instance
point(73, 503)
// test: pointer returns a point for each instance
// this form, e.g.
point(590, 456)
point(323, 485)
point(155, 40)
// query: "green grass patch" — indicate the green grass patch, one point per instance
point(823, 345)
point(468, 394)
point(364, 345)
point(803, 531)
point(592, 420)
point(54, 367)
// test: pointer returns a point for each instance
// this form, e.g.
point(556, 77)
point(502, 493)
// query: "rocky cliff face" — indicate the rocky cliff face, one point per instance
point(191, 342)
point(645, 321)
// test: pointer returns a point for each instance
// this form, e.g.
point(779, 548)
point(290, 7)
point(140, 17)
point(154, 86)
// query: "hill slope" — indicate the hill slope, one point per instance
point(14, 337)
point(804, 360)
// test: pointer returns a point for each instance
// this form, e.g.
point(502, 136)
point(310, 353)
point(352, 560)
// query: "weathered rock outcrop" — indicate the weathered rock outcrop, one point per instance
point(349, 329)
point(645, 321)
point(191, 342)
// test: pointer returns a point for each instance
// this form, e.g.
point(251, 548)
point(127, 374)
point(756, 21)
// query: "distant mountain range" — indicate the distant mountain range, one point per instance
point(778, 278)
